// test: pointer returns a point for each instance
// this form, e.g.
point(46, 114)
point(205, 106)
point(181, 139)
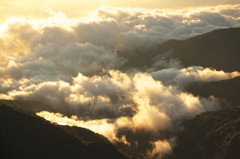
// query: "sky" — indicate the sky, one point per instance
point(77, 8)
point(71, 54)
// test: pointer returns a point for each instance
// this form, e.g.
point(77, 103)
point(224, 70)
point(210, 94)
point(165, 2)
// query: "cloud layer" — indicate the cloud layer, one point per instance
point(76, 66)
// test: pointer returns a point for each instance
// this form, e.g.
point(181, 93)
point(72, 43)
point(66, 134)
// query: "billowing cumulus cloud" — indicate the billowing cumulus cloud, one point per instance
point(116, 103)
point(114, 95)
point(80, 66)
point(68, 46)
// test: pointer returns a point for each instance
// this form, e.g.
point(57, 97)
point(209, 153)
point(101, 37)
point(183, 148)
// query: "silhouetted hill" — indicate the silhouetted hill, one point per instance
point(32, 106)
point(228, 90)
point(217, 49)
point(25, 135)
point(211, 135)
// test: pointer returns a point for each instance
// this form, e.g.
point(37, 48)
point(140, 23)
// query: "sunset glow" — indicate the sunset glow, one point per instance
point(80, 8)
point(87, 58)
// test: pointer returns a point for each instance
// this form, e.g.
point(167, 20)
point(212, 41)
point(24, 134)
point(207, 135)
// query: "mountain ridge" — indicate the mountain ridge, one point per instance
point(25, 135)
point(217, 49)
point(213, 134)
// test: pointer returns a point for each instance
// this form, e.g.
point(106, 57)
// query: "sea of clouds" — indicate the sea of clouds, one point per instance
point(75, 65)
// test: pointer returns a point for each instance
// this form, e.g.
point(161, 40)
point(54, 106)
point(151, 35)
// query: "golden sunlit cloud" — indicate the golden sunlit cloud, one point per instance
point(160, 149)
point(100, 126)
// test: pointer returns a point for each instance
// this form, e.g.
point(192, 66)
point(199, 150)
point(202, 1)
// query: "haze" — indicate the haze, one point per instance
point(79, 8)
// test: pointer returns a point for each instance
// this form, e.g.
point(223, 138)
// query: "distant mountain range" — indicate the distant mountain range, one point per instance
point(218, 49)
point(214, 134)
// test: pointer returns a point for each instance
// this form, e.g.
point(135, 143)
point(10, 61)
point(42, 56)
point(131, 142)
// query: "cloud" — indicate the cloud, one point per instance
point(185, 76)
point(76, 65)
point(99, 126)
point(56, 61)
point(116, 94)
point(60, 47)
point(161, 24)
point(103, 33)
point(118, 28)
point(160, 149)
point(142, 105)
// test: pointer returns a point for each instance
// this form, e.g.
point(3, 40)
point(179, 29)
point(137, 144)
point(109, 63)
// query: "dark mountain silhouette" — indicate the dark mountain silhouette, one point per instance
point(30, 105)
point(25, 135)
point(217, 49)
point(214, 134)
point(227, 90)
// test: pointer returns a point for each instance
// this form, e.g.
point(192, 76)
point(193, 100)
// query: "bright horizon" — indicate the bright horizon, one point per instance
point(81, 8)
